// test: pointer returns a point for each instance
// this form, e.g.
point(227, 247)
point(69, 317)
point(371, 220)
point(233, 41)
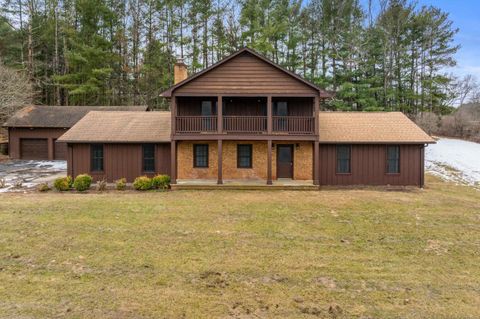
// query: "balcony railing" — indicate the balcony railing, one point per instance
point(293, 124)
point(300, 125)
point(245, 124)
point(196, 124)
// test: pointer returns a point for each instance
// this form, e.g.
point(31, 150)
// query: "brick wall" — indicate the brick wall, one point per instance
point(303, 161)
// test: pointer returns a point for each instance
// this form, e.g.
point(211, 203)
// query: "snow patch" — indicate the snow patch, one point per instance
point(454, 160)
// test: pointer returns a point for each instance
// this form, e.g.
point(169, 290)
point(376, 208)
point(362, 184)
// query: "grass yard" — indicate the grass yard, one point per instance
point(242, 254)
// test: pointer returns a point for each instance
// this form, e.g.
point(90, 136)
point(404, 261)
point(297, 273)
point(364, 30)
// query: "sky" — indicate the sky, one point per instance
point(465, 16)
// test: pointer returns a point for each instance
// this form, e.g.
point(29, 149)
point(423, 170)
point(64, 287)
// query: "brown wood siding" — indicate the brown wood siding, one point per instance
point(120, 160)
point(16, 134)
point(60, 150)
point(245, 74)
point(368, 166)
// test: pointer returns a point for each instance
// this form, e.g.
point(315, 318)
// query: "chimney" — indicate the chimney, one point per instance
point(179, 71)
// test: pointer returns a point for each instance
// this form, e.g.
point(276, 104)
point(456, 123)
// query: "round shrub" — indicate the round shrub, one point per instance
point(62, 184)
point(43, 187)
point(121, 184)
point(82, 182)
point(142, 183)
point(161, 181)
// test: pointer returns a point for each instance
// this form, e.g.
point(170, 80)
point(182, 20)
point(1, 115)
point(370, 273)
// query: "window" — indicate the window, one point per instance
point(282, 108)
point(148, 158)
point(393, 159)
point(200, 155)
point(96, 154)
point(343, 159)
point(244, 155)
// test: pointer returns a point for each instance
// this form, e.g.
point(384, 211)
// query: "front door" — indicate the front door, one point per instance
point(285, 161)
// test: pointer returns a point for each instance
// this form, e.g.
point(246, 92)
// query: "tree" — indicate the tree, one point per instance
point(16, 91)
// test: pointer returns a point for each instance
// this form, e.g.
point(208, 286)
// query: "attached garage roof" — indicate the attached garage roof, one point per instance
point(59, 116)
point(120, 127)
point(370, 127)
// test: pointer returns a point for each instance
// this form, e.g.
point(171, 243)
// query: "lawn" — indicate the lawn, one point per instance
point(367, 253)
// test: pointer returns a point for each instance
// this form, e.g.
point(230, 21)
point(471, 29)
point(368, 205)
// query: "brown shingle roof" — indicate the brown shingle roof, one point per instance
point(368, 127)
point(59, 116)
point(120, 127)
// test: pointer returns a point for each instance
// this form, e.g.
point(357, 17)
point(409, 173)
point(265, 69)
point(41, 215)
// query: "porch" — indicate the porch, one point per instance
point(235, 184)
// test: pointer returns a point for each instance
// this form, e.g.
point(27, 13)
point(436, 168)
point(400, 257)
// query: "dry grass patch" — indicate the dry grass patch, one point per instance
point(242, 254)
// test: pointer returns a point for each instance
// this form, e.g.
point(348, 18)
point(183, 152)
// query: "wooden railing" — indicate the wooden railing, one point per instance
point(293, 124)
point(196, 124)
point(301, 125)
point(245, 124)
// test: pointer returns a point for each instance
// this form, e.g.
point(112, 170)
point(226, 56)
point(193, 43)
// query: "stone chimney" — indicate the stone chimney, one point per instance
point(179, 71)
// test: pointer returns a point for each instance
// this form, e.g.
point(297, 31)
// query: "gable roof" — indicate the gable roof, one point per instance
point(120, 127)
point(59, 116)
point(370, 127)
point(168, 93)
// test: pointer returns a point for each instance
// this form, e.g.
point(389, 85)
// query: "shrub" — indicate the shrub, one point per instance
point(82, 182)
point(142, 183)
point(43, 187)
point(70, 181)
point(161, 181)
point(62, 184)
point(101, 185)
point(121, 184)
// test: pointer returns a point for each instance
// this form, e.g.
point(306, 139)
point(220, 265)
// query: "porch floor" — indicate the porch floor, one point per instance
point(280, 184)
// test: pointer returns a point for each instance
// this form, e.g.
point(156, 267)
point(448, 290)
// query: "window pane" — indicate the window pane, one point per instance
point(393, 159)
point(96, 153)
point(244, 156)
point(200, 155)
point(282, 109)
point(343, 159)
point(148, 158)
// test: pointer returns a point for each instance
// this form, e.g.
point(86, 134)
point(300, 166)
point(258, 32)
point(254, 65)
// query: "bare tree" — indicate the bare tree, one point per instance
point(464, 88)
point(16, 91)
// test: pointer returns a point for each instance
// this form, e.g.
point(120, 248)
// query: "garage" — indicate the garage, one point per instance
point(34, 148)
point(35, 128)
point(60, 150)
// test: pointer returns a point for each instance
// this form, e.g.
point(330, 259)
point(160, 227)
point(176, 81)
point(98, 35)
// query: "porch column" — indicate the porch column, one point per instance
point(316, 163)
point(269, 115)
point(269, 162)
point(220, 159)
point(316, 111)
point(173, 162)
point(173, 112)
point(220, 114)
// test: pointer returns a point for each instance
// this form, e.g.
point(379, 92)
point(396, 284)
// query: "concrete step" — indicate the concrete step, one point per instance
point(244, 187)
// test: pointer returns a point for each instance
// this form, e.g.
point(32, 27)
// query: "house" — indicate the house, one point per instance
point(33, 130)
point(246, 118)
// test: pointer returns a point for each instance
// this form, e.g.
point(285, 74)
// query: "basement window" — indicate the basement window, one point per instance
point(244, 155)
point(343, 159)
point(200, 155)
point(393, 159)
point(148, 157)
point(96, 157)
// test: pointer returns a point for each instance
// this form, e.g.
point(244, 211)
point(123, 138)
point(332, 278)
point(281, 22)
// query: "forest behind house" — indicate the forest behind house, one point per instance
point(387, 55)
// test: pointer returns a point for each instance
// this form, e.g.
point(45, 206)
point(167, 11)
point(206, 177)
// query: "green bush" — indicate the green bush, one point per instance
point(142, 183)
point(69, 181)
point(43, 187)
point(121, 184)
point(161, 181)
point(82, 182)
point(62, 184)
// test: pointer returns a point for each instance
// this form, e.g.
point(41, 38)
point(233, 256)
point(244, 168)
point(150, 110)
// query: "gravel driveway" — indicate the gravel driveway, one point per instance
point(30, 173)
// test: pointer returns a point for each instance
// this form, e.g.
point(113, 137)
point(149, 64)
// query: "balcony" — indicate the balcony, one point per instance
point(243, 115)
point(288, 125)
